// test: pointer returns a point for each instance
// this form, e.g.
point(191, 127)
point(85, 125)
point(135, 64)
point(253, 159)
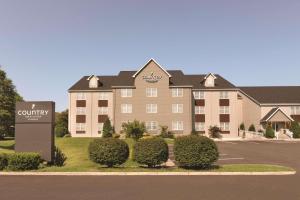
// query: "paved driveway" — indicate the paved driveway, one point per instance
point(172, 187)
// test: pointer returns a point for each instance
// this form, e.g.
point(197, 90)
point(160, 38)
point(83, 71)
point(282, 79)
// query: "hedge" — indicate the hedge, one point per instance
point(23, 161)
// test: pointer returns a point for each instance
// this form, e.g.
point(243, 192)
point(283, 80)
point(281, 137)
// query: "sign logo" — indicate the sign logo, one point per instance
point(152, 78)
point(32, 114)
point(33, 106)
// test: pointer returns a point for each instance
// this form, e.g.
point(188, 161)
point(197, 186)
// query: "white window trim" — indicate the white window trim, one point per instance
point(177, 92)
point(177, 108)
point(80, 126)
point(81, 96)
point(224, 110)
point(80, 111)
point(103, 96)
point(224, 95)
point(199, 95)
point(151, 108)
point(126, 108)
point(103, 110)
point(177, 125)
point(126, 93)
point(199, 110)
point(152, 125)
point(224, 126)
point(295, 110)
point(151, 92)
point(100, 127)
point(200, 126)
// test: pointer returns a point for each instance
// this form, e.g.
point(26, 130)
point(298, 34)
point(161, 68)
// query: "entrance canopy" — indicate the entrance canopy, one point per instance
point(276, 115)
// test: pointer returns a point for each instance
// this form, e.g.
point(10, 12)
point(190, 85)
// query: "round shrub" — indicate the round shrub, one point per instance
point(3, 161)
point(23, 161)
point(195, 152)
point(270, 132)
point(151, 152)
point(108, 151)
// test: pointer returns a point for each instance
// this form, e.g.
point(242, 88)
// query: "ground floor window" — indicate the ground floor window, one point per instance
point(224, 126)
point(177, 125)
point(100, 127)
point(151, 126)
point(200, 126)
point(80, 127)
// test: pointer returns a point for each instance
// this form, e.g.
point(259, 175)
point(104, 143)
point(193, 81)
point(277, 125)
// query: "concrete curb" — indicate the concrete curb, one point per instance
point(147, 173)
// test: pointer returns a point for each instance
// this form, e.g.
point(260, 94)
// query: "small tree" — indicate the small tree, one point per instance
point(295, 128)
point(214, 132)
point(61, 124)
point(107, 129)
point(252, 128)
point(270, 132)
point(242, 127)
point(134, 129)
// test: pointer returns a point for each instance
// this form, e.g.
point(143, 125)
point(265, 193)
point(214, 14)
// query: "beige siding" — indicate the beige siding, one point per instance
point(251, 112)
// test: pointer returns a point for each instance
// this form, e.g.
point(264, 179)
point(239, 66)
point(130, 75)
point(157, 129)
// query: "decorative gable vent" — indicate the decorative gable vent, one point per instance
point(209, 80)
point(93, 81)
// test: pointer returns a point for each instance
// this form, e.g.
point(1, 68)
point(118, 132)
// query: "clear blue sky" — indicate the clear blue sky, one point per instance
point(47, 45)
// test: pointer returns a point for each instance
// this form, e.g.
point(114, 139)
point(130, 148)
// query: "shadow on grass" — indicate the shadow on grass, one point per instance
point(7, 143)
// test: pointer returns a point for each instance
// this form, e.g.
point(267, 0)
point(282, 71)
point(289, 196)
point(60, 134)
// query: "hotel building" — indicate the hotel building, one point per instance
point(161, 97)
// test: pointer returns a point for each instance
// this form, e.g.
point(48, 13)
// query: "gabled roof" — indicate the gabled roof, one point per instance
point(272, 112)
point(151, 60)
point(210, 74)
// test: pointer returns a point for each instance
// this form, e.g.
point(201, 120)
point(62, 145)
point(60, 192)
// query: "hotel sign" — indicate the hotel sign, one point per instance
point(152, 78)
point(34, 130)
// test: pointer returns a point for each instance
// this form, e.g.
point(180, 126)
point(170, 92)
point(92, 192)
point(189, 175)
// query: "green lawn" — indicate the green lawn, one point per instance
point(78, 160)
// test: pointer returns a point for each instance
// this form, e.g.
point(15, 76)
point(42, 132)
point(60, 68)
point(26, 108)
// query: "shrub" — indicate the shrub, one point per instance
point(270, 132)
point(252, 128)
point(295, 128)
point(134, 129)
point(59, 158)
point(107, 129)
point(194, 132)
point(195, 152)
point(3, 161)
point(61, 124)
point(214, 132)
point(108, 151)
point(151, 152)
point(165, 133)
point(242, 127)
point(24, 161)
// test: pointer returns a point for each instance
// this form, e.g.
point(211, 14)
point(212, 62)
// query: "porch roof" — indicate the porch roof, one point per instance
point(273, 112)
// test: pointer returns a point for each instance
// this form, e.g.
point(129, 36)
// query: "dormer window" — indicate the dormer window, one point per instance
point(209, 80)
point(93, 81)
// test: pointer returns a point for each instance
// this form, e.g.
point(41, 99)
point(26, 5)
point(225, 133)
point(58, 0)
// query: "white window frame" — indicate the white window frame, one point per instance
point(151, 92)
point(177, 92)
point(81, 96)
point(127, 92)
point(295, 110)
point(224, 126)
point(199, 126)
point(103, 96)
point(199, 95)
point(126, 108)
point(80, 110)
point(80, 126)
point(151, 126)
point(177, 125)
point(151, 108)
point(224, 109)
point(100, 127)
point(103, 110)
point(177, 108)
point(224, 95)
point(199, 110)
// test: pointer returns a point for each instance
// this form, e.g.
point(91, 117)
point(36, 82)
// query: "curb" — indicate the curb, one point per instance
point(147, 173)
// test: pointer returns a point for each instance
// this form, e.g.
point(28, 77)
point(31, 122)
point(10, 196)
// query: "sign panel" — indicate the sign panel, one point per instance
point(34, 130)
point(152, 78)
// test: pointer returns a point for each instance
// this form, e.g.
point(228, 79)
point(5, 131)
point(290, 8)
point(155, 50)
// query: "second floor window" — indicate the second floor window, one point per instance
point(151, 126)
point(151, 92)
point(199, 110)
point(81, 96)
point(80, 126)
point(103, 96)
point(224, 109)
point(103, 110)
point(80, 110)
point(295, 110)
point(126, 92)
point(224, 95)
point(177, 125)
point(177, 92)
point(151, 108)
point(177, 108)
point(199, 95)
point(126, 108)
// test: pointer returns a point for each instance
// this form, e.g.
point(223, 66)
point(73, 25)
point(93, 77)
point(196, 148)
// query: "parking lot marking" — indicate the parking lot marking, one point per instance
point(231, 142)
point(231, 159)
point(254, 143)
point(223, 154)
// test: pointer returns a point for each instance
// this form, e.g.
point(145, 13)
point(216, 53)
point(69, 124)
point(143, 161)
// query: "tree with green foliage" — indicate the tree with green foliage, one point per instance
point(61, 124)
point(242, 127)
point(252, 128)
point(8, 98)
point(270, 132)
point(134, 129)
point(107, 129)
point(295, 128)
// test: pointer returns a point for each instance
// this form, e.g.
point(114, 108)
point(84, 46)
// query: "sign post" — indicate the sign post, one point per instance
point(34, 130)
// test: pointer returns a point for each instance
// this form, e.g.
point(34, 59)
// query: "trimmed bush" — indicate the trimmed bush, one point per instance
point(242, 127)
point(134, 129)
point(108, 151)
point(151, 151)
point(3, 161)
point(295, 128)
point(215, 132)
point(24, 161)
point(252, 128)
point(195, 152)
point(107, 129)
point(270, 132)
point(59, 158)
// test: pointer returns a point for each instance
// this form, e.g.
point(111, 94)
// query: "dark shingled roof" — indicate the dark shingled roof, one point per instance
point(124, 78)
point(274, 94)
point(269, 114)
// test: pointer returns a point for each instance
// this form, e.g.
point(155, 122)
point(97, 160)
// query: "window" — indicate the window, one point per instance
point(103, 110)
point(177, 125)
point(200, 126)
point(126, 92)
point(80, 111)
point(199, 95)
point(81, 96)
point(151, 92)
point(295, 110)
point(177, 92)
point(80, 126)
point(224, 95)
point(151, 108)
point(199, 110)
point(177, 108)
point(224, 109)
point(100, 127)
point(103, 96)
point(126, 108)
point(93, 82)
point(151, 126)
point(224, 126)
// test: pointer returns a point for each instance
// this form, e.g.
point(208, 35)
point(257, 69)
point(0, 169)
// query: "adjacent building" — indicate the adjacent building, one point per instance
point(184, 103)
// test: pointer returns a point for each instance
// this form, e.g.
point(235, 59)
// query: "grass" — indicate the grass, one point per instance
point(76, 150)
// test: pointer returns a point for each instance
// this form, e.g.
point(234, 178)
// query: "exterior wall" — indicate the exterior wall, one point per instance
point(164, 101)
point(251, 112)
